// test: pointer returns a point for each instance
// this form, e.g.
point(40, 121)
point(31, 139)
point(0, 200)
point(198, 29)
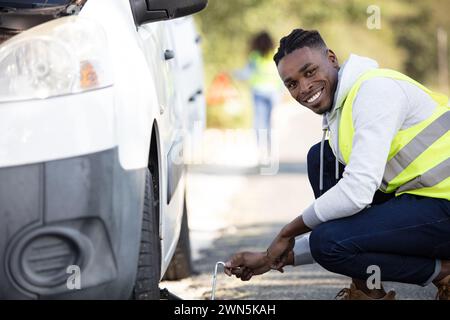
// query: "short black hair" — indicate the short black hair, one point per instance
point(297, 39)
point(262, 43)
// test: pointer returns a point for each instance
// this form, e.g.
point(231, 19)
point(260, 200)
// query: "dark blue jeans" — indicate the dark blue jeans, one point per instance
point(405, 236)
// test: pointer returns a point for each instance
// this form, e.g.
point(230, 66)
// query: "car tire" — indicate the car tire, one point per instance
point(149, 264)
point(180, 266)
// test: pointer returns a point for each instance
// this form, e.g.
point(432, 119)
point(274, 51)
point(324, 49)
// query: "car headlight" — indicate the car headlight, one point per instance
point(63, 56)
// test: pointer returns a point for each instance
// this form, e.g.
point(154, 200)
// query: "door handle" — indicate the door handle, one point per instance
point(169, 54)
point(194, 96)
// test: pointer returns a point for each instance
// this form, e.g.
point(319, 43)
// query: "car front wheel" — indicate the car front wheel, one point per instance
point(149, 265)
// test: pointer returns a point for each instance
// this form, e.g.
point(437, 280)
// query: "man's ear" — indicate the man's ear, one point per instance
point(333, 58)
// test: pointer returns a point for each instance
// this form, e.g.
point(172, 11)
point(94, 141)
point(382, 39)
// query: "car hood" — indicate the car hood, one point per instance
point(19, 15)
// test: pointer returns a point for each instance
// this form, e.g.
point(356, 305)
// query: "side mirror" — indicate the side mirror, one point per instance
point(145, 11)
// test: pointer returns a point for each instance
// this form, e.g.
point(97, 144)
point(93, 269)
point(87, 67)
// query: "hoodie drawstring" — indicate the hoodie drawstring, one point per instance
point(336, 169)
point(321, 162)
point(322, 145)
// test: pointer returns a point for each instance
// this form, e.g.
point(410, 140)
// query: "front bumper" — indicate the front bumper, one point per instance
point(57, 217)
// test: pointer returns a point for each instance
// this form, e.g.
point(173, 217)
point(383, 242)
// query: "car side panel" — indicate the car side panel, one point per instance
point(156, 40)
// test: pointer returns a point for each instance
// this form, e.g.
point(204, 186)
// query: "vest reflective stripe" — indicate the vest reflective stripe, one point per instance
point(418, 160)
point(429, 179)
point(415, 147)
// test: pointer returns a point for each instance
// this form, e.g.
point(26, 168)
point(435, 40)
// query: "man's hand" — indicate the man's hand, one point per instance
point(245, 265)
point(284, 242)
point(278, 251)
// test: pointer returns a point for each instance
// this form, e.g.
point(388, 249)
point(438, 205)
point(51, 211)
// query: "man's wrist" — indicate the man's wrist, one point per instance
point(290, 258)
point(267, 259)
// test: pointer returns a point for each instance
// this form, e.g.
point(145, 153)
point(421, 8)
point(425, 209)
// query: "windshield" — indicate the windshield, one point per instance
point(29, 4)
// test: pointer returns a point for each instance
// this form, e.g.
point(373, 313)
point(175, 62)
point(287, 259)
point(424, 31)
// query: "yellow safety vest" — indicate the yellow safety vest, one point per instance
point(265, 72)
point(419, 157)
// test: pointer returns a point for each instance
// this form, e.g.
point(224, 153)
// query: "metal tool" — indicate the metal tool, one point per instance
point(213, 291)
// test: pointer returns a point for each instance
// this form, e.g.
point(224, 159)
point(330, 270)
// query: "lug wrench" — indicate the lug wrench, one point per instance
point(213, 291)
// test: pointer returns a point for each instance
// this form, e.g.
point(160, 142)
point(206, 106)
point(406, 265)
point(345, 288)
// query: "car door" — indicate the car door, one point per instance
point(158, 47)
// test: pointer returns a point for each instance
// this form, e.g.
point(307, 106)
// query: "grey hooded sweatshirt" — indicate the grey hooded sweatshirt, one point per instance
point(382, 107)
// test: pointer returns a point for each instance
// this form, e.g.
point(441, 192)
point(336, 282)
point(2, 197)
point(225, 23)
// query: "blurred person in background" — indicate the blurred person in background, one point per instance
point(381, 182)
point(265, 86)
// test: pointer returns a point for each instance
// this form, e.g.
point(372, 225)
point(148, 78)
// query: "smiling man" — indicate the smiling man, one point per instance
point(318, 95)
point(381, 181)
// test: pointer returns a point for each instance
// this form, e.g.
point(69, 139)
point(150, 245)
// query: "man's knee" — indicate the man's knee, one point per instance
point(326, 247)
point(313, 157)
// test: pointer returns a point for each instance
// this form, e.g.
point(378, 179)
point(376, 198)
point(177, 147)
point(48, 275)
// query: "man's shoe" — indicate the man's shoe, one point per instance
point(443, 287)
point(353, 293)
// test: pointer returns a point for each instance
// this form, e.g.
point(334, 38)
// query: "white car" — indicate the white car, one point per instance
point(93, 115)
